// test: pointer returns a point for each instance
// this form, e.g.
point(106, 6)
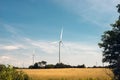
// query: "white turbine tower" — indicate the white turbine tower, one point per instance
point(33, 56)
point(60, 42)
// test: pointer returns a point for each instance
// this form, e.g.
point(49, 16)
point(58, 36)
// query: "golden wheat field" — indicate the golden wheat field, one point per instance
point(69, 74)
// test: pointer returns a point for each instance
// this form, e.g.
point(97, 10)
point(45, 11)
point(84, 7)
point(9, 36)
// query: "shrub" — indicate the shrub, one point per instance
point(9, 73)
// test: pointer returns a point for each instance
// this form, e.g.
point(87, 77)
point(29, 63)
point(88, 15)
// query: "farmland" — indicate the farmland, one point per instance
point(69, 74)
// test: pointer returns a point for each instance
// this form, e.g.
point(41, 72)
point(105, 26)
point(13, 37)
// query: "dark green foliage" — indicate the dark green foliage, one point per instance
point(111, 47)
point(38, 65)
point(43, 65)
point(43, 62)
point(81, 66)
point(49, 66)
point(118, 6)
point(31, 67)
point(61, 65)
point(9, 73)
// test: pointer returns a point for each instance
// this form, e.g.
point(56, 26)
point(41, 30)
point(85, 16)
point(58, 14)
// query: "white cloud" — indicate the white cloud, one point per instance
point(71, 52)
point(47, 47)
point(11, 47)
point(13, 60)
point(51, 47)
point(81, 48)
point(5, 57)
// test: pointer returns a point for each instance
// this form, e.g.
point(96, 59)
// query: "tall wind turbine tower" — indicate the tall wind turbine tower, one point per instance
point(60, 42)
point(33, 56)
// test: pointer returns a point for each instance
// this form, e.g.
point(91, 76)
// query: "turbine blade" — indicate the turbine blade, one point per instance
point(61, 34)
point(33, 51)
point(55, 42)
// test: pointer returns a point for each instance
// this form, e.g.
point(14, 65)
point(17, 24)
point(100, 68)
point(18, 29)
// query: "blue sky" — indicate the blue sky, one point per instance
point(28, 26)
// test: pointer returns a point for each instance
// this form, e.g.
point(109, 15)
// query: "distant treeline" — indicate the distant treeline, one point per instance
point(58, 65)
point(44, 65)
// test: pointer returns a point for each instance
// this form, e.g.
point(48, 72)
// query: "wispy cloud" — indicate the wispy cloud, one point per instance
point(5, 57)
point(13, 60)
point(51, 47)
point(45, 46)
point(91, 6)
point(71, 52)
point(98, 12)
point(11, 47)
point(9, 28)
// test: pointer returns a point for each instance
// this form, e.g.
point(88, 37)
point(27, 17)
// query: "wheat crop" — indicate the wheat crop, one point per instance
point(70, 74)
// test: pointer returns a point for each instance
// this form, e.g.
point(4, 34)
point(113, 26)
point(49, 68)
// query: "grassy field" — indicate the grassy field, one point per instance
point(69, 74)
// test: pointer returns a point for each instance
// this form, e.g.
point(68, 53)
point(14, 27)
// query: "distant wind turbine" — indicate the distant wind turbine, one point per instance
point(33, 56)
point(60, 42)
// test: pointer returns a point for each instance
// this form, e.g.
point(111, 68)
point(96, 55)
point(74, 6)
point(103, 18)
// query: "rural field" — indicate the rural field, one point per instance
point(69, 74)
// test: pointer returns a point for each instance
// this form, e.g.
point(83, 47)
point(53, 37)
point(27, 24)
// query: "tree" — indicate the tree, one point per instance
point(111, 47)
point(31, 67)
point(81, 66)
point(36, 65)
point(49, 66)
point(43, 63)
point(62, 65)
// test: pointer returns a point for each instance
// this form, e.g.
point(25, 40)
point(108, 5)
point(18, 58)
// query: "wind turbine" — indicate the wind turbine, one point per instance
point(33, 56)
point(60, 42)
